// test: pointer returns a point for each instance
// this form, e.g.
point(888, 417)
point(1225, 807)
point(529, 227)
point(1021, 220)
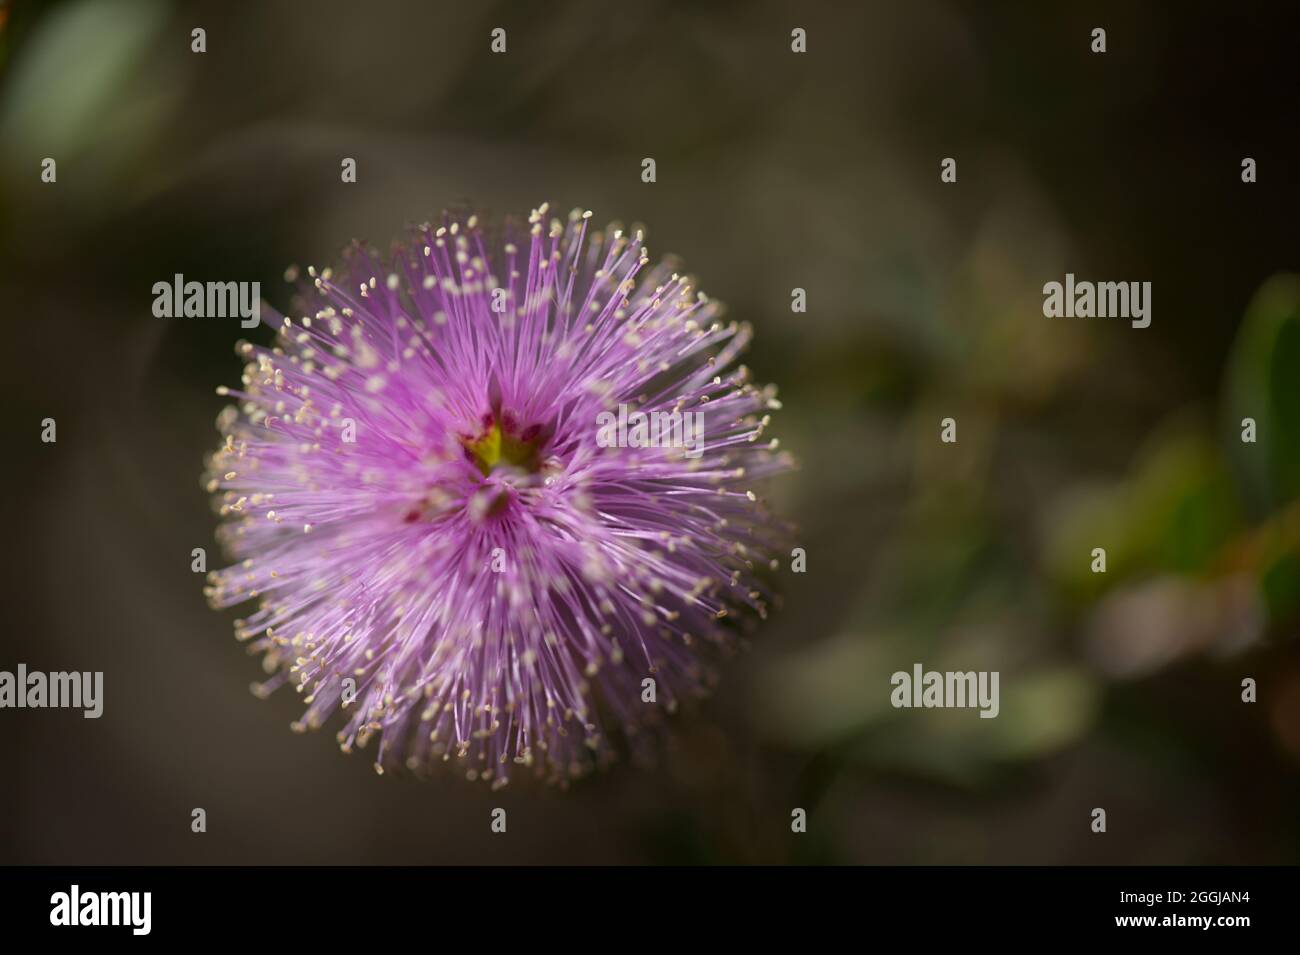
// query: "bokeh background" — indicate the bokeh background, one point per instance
point(775, 170)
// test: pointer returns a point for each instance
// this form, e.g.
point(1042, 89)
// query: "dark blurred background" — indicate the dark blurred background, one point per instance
point(775, 170)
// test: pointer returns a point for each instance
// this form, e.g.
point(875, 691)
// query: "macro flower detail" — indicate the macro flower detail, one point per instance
point(445, 538)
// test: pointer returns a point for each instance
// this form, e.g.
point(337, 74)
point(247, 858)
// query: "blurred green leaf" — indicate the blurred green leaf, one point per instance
point(826, 693)
point(1174, 514)
point(1263, 383)
point(71, 71)
point(1041, 712)
point(1280, 582)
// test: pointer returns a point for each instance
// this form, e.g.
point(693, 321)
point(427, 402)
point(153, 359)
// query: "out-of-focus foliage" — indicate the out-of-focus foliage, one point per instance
point(924, 303)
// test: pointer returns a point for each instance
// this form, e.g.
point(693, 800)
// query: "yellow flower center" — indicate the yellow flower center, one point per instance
point(495, 449)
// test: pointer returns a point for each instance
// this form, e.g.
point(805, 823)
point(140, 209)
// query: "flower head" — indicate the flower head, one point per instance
point(492, 496)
